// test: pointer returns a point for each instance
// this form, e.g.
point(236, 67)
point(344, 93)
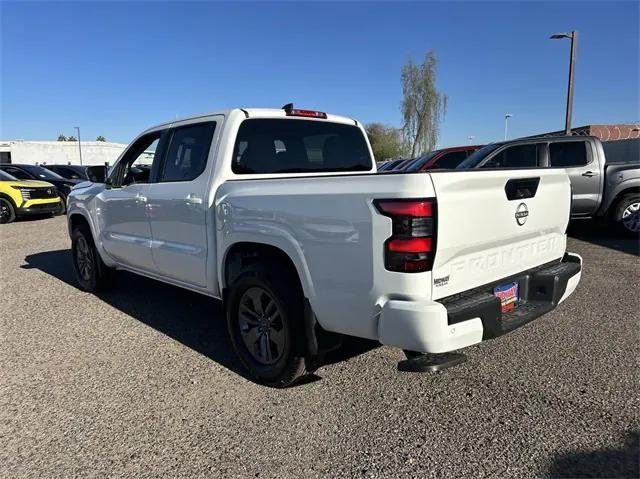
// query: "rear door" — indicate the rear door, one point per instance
point(492, 224)
point(581, 164)
point(178, 203)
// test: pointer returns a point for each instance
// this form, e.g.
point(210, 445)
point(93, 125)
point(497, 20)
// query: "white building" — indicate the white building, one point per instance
point(59, 152)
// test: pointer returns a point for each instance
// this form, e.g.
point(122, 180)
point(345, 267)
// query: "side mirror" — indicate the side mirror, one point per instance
point(97, 174)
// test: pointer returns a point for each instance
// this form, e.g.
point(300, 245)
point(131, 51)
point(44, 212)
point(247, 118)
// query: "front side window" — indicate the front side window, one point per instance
point(517, 156)
point(299, 146)
point(187, 154)
point(135, 165)
point(568, 153)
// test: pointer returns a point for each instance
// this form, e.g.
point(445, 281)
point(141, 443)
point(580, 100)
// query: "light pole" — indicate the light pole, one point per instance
point(506, 122)
point(470, 138)
point(79, 144)
point(573, 36)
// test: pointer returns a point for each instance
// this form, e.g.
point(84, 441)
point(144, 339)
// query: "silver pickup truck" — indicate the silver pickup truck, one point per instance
point(605, 180)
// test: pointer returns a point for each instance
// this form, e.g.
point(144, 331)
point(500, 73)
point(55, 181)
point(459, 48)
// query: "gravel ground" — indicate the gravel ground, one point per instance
point(142, 382)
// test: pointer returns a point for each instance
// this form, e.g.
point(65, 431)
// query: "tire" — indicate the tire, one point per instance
point(411, 354)
point(91, 272)
point(63, 204)
point(7, 211)
point(625, 216)
point(265, 320)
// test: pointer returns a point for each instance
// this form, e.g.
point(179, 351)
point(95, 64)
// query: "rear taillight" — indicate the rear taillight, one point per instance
point(411, 248)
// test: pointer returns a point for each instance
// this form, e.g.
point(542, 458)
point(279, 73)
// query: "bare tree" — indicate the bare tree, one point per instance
point(423, 106)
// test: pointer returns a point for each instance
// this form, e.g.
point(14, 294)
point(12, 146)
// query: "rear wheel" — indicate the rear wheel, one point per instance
point(626, 215)
point(91, 272)
point(412, 354)
point(264, 316)
point(7, 212)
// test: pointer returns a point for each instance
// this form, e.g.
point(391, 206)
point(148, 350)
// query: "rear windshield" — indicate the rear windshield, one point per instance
point(419, 163)
point(476, 157)
point(299, 146)
point(42, 173)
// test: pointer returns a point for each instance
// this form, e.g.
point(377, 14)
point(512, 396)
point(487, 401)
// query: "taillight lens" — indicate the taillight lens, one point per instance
point(411, 248)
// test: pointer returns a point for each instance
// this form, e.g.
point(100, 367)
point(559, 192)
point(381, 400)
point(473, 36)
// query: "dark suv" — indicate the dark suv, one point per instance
point(70, 172)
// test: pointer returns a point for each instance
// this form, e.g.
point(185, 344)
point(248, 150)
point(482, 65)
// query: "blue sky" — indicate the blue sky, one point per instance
point(116, 68)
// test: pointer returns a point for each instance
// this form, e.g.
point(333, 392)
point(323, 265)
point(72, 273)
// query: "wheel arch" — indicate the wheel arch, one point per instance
point(8, 198)
point(241, 253)
point(628, 189)
point(77, 220)
point(612, 196)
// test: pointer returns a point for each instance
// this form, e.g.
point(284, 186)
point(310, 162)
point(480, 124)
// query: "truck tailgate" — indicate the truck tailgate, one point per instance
point(492, 224)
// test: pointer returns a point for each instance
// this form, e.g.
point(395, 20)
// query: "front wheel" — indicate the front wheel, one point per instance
point(626, 215)
point(91, 272)
point(7, 212)
point(63, 205)
point(264, 317)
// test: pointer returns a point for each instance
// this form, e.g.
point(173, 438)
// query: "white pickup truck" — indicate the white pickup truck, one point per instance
point(279, 214)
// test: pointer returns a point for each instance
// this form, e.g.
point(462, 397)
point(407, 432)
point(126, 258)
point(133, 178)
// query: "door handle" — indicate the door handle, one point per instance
point(589, 174)
point(192, 199)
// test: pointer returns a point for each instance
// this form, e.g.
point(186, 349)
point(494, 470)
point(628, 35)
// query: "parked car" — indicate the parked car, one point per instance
point(70, 172)
point(280, 214)
point(35, 172)
point(390, 164)
point(600, 188)
point(26, 197)
point(446, 158)
point(399, 165)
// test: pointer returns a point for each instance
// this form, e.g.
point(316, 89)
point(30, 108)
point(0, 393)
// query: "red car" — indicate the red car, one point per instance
point(447, 158)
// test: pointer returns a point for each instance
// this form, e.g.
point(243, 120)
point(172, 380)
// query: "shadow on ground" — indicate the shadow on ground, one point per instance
point(601, 234)
point(601, 463)
point(195, 320)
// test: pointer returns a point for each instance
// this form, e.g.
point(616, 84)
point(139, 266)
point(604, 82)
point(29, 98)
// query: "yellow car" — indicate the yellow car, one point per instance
point(26, 197)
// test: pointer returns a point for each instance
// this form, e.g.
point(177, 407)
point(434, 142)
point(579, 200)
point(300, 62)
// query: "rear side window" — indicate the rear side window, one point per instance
point(517, 156)
point(450, 160)
point(567, 154)
point(66, 172)
point(187, 154)
point(299, 146)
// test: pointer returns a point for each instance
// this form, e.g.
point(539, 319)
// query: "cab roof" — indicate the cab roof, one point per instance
point(260, 113)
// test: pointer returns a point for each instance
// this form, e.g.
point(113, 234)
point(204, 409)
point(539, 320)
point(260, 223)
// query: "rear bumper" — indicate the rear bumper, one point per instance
point(465, 319)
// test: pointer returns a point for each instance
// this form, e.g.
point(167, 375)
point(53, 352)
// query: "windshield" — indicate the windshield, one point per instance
point(299, 146)
point(42, 173)
point(477, 157)
point(420, 162)
point(7, 177)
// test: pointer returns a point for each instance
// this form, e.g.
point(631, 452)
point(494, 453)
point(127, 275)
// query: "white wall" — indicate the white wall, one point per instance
point(62, 152)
